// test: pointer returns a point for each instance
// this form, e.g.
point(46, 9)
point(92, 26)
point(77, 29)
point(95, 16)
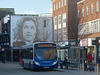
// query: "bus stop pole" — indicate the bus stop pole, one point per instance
point(83, 63)
point(97, 69)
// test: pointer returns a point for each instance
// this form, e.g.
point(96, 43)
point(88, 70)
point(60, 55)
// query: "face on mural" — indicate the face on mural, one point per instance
point(29, 31)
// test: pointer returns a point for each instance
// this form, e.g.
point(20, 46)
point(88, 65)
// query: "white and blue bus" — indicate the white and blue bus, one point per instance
point(41, 55)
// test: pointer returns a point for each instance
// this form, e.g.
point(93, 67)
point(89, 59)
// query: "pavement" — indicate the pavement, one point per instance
point(73, 71)
point(80, 71)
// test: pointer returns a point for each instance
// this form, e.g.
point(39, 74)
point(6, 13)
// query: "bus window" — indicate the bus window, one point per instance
point(27, 53)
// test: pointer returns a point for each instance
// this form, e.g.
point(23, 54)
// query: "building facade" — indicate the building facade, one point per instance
point(77, 18)
point(63, 18)
point(18, 30)
point(64, 22)
point(89, 26)
point(4, 37)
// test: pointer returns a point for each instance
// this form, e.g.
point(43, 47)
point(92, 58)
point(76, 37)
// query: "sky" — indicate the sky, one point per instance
point(28, 6)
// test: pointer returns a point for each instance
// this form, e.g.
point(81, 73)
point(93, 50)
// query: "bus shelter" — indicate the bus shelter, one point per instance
point(75, 55)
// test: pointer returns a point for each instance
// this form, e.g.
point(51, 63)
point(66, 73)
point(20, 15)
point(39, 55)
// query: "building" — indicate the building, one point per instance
point(64, 22)
point(63, 18)
point(4, 37)
point(46, 15)
point(18, 30)
point(6, 11)
point(77, 20)
point(89, 26)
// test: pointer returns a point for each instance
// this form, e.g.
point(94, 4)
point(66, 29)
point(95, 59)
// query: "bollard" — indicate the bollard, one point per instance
point(97, 69)
point(83, 69)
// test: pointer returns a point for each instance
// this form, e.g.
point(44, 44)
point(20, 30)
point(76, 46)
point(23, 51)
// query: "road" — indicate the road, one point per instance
point(15, 69)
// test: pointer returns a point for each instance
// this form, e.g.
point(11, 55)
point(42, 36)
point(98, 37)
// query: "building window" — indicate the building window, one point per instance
point(65, 2)
point(64, 27)
point(59, 4)
point(55, 28)
point(97, 26)
point(82, 29)
point(78, 13)
point(54, 7)
point(97, 6)
point(64, 18)
point(55, 35)
point(64, 34)
point(87, 10)
point(79, 29)
point(62, 3)
point(59, 19)
point(83, 12)
point(55, 21)
point(44, 23)
point(59, 34)
point(92, 8)
point(94, 26)
point(86, 28)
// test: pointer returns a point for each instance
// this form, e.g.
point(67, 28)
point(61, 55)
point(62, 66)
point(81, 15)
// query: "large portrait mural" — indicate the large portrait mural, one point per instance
point(26, 30)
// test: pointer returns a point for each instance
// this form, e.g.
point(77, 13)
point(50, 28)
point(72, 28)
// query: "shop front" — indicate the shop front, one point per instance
point(90, 45)
point(15, 54)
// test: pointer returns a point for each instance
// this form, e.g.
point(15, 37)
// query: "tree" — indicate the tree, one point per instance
point(77, 31)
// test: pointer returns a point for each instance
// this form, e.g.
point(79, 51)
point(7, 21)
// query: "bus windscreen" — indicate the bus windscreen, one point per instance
point(45, 53)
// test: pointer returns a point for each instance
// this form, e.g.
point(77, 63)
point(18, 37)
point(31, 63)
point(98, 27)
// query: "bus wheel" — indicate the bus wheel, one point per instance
point(30, 65)
point(22, 64)
point(51, 69)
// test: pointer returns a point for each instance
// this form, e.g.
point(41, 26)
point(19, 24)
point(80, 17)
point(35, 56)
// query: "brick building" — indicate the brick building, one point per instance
point(64, 23)
point(64, 16)
point(4, 37)
point(78, 19)
point(89, 26)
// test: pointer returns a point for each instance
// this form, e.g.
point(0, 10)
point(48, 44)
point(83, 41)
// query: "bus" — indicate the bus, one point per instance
point(41, 55)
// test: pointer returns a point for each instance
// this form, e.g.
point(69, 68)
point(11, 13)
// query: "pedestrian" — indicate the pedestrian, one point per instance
point(85, 65)
point(3, 59)
point(89, 57)
point(65, 63)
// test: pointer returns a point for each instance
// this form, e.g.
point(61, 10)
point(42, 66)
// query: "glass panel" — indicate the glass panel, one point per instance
point(27, 53)
point(45, 53)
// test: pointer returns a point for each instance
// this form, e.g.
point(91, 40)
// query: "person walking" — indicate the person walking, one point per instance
point(3, 59)
point(65, 63)
point(89, 57)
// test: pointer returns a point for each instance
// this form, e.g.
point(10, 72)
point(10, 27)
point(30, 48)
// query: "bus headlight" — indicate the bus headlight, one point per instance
point(36, 63)
point(54, 63)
